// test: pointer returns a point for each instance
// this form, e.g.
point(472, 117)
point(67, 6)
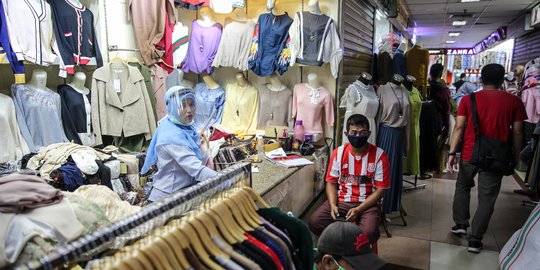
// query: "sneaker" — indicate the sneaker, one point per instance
point(475, 246)
point(459, 229)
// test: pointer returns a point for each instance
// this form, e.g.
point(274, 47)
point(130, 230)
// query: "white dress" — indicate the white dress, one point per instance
point(361, 99)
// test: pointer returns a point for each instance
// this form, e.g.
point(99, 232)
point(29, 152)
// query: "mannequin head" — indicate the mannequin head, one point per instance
point(39, 79)
point(408, 82)
point(240, 79)
point(314, 6)
point(313, 80)
point(79, 79)
point(210, 82)
point(365, 78)
point(206, 16)
point(397, 79)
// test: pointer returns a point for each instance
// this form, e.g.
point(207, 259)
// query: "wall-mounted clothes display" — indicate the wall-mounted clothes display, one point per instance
point(275, 106)
point(121, 106)
point(76, 115)
point(38, 115)
point(32, 38)
point(314, 41)
point(149, 25)
point(208, 101)
point(411, 164)
point(240, 109)
point(180, 42)
point(393, 117)
point(75, 34)
point(417, 61)
point(202, 48)
point(17, 66)
point(13, 145)
point(270, 50)
point(361, 99)
point(235, 44)
point(309, 104)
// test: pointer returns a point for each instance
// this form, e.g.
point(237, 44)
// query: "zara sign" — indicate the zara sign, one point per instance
point(460, 51)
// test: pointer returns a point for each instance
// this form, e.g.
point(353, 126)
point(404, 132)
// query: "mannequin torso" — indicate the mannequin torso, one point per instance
point(210, 83)
point(39, 80)
point(78, 82)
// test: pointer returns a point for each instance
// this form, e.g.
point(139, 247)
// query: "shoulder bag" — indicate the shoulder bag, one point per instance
point(490, 154)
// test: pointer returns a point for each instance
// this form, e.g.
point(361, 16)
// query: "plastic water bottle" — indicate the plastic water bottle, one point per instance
point(299, 131)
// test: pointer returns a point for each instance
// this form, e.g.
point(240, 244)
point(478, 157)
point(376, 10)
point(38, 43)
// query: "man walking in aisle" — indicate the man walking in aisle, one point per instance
point(501, 116)
point(358, 174)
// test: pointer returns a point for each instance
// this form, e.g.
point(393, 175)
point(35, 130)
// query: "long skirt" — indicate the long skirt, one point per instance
point(392, 141)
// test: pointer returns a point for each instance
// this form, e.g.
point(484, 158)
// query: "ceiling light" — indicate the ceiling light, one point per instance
point(469, 1)
point(459, 23)
point(454, 34)
point(450, 41)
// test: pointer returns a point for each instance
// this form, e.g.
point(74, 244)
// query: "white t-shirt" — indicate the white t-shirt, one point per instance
point(221, 6)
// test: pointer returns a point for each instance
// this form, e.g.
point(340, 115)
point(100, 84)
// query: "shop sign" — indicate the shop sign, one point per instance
point(461, 51)
point(535, 15)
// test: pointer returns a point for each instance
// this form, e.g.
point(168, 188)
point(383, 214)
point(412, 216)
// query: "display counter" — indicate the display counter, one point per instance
point(290, 189)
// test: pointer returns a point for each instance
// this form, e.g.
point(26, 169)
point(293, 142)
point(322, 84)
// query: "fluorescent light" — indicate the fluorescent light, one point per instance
point(454, 34)
point(459, 23)
point(469, 1)
point(450, 41)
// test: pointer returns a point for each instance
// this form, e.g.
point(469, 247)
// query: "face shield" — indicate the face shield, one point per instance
point(181, 105)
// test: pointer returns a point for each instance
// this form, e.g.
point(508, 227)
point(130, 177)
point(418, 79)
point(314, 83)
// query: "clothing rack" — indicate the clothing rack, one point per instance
point(115, 48)
point(415, 185)
point(177, 204)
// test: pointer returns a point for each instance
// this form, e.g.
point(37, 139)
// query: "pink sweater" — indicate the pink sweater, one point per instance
point(312, 114)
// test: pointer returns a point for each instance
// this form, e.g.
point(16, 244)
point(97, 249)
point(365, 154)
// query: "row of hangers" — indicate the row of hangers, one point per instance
point(226, 217)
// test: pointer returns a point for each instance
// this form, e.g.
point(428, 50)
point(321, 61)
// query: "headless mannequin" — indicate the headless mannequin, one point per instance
point(275, 84)
point(79, 79)
point(39, 80)
point(181, 79)
point(239, 15)
point(210, 83)
point(314, 7)
point(76, 3)
point(397, 79)
point(206, 19)
point(408, 82)
point(275, 7)
point(241, 80)
point(313, 80)
point(365, 78)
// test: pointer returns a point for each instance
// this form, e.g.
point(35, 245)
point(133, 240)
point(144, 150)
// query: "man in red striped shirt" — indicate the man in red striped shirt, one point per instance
point(358, 174)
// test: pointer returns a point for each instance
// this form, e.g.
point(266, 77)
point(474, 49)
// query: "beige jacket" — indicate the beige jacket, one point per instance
point(126, 113)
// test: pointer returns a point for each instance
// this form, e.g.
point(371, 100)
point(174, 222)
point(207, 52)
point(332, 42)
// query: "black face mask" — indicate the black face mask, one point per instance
point(357, 141)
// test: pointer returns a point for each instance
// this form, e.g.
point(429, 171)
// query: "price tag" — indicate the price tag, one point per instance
point(116, 83)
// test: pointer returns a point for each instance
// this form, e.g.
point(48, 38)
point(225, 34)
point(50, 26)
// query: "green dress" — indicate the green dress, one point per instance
point(411, 164)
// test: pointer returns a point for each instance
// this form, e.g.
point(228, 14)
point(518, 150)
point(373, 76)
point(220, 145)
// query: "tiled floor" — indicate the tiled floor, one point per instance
point(426, 241)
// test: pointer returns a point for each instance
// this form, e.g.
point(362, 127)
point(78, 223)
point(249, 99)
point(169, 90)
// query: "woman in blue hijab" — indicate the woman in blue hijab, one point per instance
point(176, 147)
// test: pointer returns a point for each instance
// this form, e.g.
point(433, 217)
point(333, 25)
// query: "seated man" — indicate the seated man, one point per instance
point(358, 174)
point(344, 246)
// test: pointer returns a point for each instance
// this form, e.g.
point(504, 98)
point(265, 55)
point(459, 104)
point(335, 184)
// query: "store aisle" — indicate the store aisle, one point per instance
point(426, 241)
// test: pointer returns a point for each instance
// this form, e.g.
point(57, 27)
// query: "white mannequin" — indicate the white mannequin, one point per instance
point(210, 82)
point(79, 79)
point(386, 47)
point(241, 80)
point(314, 7)
point(275, 7)
point(76, 3)
point(206, 19)
point(313, 80)
point(39, 80)
point(275, 84)
point(183, 81)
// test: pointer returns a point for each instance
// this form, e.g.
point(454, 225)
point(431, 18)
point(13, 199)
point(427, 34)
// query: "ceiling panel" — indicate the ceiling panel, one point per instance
point(433, 23)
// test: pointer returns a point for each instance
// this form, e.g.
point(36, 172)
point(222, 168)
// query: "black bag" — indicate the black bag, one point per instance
point(490, 154)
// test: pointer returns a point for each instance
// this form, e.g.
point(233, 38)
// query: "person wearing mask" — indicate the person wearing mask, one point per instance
point(500, 116)
point(344, 246)
point(440, 94)
point(465, 88)
point(358, 174)
point(176, 147)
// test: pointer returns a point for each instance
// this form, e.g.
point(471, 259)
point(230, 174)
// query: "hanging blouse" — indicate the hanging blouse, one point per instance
point(208, 100)
point(234, 46)
point(76, 115)
point(202, 48)
point(6, 50)
point(240, 109)
point(270, 50)
point(361, 99)
point(411, 164)
point(38, 115)
point(314, 41)
point(275, 107)
point(180, 43)
point(75, 34)
point(11, 141)
point(393, 105)
point(309, 104)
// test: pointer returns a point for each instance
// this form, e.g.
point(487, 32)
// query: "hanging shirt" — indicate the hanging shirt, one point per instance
point(314, 41)
point(411, 163)
point(270, 47)
point(309, 104)
point(207, 101)
point(235, 44)
point(38, 115)
point(240, 110)
point(165, 45)
point(398, 63)
point(76, 115)
point(17, 66)
point(180, 41)
point(75, 34)
point(11, 140)
point(275, 107)
point(202, 48)
point(361, 99)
